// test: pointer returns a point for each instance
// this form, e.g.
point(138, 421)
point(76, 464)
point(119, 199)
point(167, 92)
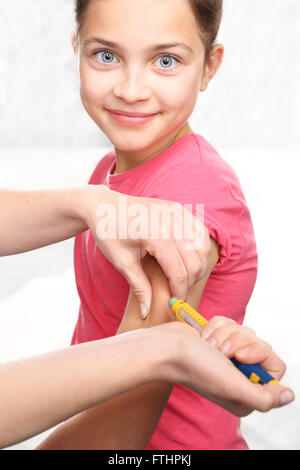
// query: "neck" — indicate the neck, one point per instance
point(126, 161)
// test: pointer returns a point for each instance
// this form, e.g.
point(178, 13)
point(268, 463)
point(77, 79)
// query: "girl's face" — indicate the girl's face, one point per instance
point(128, 61)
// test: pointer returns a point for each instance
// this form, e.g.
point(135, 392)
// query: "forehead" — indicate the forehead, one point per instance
point(140, 23)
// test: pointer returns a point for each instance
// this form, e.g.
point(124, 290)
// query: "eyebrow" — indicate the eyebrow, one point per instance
point(155, 47)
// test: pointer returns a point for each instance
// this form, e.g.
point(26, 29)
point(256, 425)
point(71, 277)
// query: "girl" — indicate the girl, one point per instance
point(142, 64)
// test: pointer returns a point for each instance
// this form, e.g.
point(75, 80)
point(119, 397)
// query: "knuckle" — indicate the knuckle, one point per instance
point(205, 251)
point(265, 400)
point(195, 273)
point(266, 403)
point(249, 330)
point(266, 344)
point(157, 248)
point(199, 271)
point(181, 277)
point(283, 368)
point(218, 336)
point(241, 334)
point(179, 273)
point(218, 320)
point(222, 321)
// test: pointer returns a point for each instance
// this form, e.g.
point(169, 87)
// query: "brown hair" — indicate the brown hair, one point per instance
point(208, 15)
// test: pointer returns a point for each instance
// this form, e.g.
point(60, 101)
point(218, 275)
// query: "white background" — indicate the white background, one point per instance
point(251, 113)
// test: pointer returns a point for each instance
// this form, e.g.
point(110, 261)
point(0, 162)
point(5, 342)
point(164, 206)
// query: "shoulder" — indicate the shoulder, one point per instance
point(194, 172)
point(204, 183)
point(208, 166)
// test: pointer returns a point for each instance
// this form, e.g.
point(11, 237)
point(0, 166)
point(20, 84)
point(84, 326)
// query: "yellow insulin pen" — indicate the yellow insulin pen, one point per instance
point(187, 314)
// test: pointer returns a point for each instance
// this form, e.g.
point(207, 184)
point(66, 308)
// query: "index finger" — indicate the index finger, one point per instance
point(168, 257)
point(261, 353)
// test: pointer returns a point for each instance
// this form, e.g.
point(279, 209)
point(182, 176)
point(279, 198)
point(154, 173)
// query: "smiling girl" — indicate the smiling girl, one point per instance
point(142, 64)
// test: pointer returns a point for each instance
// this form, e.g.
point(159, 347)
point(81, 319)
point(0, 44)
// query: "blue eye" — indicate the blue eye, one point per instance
point(106, 55)
point(166, 60)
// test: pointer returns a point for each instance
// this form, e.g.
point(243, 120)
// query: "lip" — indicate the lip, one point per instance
point(132, 119)
point(129, 114)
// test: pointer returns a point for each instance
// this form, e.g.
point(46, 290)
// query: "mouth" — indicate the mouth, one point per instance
point(131, 119)
point(130, 114)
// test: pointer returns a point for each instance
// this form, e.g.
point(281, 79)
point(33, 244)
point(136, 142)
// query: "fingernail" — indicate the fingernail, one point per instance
point(286, 397)
point(212, 342)
point(206, 333)
point(242, 352)
point(144, 311)
point(225, 347)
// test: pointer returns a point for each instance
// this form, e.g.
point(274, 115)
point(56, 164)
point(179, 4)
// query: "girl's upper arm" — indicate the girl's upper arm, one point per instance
point(160, 311)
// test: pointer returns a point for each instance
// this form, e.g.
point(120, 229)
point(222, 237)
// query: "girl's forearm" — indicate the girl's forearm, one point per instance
point(41, 392)
point(33, 219)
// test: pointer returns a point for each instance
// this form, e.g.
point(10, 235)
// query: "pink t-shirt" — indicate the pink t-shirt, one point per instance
point(190, 172)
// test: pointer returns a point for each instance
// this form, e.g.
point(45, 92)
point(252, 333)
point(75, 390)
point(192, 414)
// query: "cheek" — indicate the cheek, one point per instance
point(179, 93)
point(93, 86)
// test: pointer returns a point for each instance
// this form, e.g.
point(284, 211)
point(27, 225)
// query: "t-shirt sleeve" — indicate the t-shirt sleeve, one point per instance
point(223, 205)
point(99, 174)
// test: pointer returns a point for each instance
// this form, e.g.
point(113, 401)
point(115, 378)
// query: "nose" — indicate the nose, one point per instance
point(132, 86)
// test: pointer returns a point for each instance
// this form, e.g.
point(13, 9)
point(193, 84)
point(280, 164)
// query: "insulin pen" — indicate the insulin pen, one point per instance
point(188, 315)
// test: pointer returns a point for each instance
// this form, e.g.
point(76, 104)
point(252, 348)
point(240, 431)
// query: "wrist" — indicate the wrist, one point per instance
point(166, 346)
point(175, 344)
point(87, 200)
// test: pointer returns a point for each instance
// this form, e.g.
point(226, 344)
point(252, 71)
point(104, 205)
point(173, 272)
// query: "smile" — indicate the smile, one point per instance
point(131, 120)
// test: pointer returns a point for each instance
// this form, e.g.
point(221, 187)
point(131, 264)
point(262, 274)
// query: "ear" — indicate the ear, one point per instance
point(74, 43)
point(212, 65)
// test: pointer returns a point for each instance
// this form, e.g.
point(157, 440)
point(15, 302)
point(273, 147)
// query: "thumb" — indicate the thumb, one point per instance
point(141, 287)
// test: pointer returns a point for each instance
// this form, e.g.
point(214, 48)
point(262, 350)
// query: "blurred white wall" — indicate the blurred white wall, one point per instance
point(255, 99)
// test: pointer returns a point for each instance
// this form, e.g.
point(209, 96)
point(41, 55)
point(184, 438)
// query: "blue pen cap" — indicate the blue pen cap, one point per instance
point(249, 369)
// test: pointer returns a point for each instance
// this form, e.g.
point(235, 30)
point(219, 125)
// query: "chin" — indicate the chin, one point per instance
point(131, 140)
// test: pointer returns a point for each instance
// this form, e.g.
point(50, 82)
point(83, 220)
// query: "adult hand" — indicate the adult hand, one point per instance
point(126, 228)
point(213, 375)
